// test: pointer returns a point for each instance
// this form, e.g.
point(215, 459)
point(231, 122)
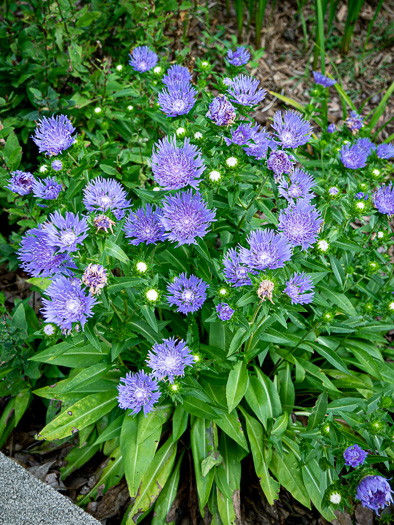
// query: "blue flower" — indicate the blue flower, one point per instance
point(235, 271)
point(331, 128)
point(224, 311)
point(21, 182)
point(366, 145)
point(177, 73)
point(221, 111)
point(178, 99)
point(353, 157)
point(39, 258)
point(298, 187)
point(322, 80)
point(139, 391)
point(187, 293)
point(57, 165)
point(385, 151)
point(354, 122)
point(143, 59)
point(354, 456)
point(67, 304)
point(95, 278)
point(280, 162)
point(259, 144)
point(144, 226)
point(297, 285)
point(374, 492)
point(383, 199)
point(267, 250)
point(106, 194)
point(175, 167)
point(169, 359)
point(240, 57)
point(333, 191)
point(300, 223)
point(47, 188)
point(360, 195)
point(186, 217)
point(242, 135)
point(291, 129)
point(244, 90)
point(54, 135)
point(65, 233)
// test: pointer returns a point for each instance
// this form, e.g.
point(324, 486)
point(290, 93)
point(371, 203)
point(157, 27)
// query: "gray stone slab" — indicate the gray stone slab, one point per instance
point(25, 500)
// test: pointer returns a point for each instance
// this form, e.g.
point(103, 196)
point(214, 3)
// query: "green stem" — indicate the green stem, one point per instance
point(251, 202)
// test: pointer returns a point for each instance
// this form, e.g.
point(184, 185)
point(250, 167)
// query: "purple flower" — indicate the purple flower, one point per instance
point(299, 186)
point(106, 194)
point(65, 233)
point(291, 129)
point(221, 111)
point(235, 271)
point(331, 128)
point(178, 99)
point(186, 217)
point(353, 157)
point(169, 359)
point(240, 57)
point(366, 145)
point(144, 226)
point(95, 278)
point(227, 81)
point(354, 456)
point(21, 182)
point(258, 146)
point(57, 165)
point(242, 135)
point(385, 151)
point(360, 195)
point(47, 188)
point(297, 285)
point(38, 257)
point(383, 199)
point(354, 122)
point(280, 162)
point(244, 90)
point(177, 73)
point(374, 492)
point(175, 167)
point(322, 80)
point(102, 222)
point(333, 191)
point(267, 250)
point(143, 59)
point(187, 293)
point(67, 304)
point(54, 135)
point(224, 312)
point(300, 223)
point(139, 391)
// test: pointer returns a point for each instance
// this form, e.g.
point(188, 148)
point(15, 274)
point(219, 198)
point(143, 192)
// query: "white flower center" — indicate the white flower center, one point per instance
point(105, 201)
point(72, 305)
point(68, 238)
point(142, 267)
point(380, 235)
point(323, 245)
point(143, 65)
point(169, 362)
point(178, 105)
point(152, 295)
point(140, 393)
point(187, 295)
point(335, 498)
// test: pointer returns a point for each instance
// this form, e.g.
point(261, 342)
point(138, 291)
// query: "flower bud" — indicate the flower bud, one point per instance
point(232, 162)
point(205, 64)
point(214, 176)
point(49, 329)
point(119, 67)
point(152, 295)
point(157, 70)
point(141, 267)
point(43, 168)
point(323, 246)
point(198, 136)
point(130, 107)
point(97, 110)
point(180, 132)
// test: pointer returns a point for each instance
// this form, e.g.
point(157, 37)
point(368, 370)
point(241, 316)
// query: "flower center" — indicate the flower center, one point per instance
point(170, 362)
point(68, 237)
point(73, 305)
point(143, 65)
point(178, 105)
point(105, 201)
point(187, 295)
point(295, 191)
point(140, 393)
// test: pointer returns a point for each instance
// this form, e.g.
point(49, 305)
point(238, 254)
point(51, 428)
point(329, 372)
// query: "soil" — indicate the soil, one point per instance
point(285, 67)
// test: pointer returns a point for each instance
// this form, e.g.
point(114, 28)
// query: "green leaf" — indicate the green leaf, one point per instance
point(22, 401)
point(166, 498)
point(199, 408)
point(149, 313)
point(318, 412)
point(337, 269)
point(288, 473)
point(328, 354)
point(77, 457)
point(115, 251)
point(381, 107)
point(236, 385)
point(112, 430)
point(226, 509)
point(179, 422)
point(339, 299)
point(288, 101)
point(213, 459)
point(228, 473)
point(202, 440)
point(344, 96)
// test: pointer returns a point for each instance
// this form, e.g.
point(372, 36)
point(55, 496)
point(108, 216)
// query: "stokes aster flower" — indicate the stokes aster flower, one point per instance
point(239, 57)
point(187, 293)
point(333, 191)
point(175, 167)
point(21, 182)
point(267, 250)
point(38, 257)
point(186, 217)
point(68, 304)
point(102, 222)
point(106, 195)
point(354, 456)
point(143, 59)
point(353, 157)
point(57, 165)
point(322, 80)
point(374, 492)
point(259, 144)
point(280, 162)
point(47, 188)
point(383, 199)
point(299, 186)
point(178, 99)
point(65, 233)
point(300, 223)
point(331, 128)
point(177, 73)
point(95, 278)
point(354, 122)
point(385, 151)
point(366, 145)
point(291, 130)
point(245, 90)
point(235, 271)
point(224, 311)
point(169, 359)
point(144, 226)
point(140, 391)
point(297, 285)
point(242, 135)
point(221, 111)
point(54, 135)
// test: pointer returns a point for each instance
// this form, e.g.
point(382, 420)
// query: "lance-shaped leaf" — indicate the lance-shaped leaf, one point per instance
point(236, 385)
